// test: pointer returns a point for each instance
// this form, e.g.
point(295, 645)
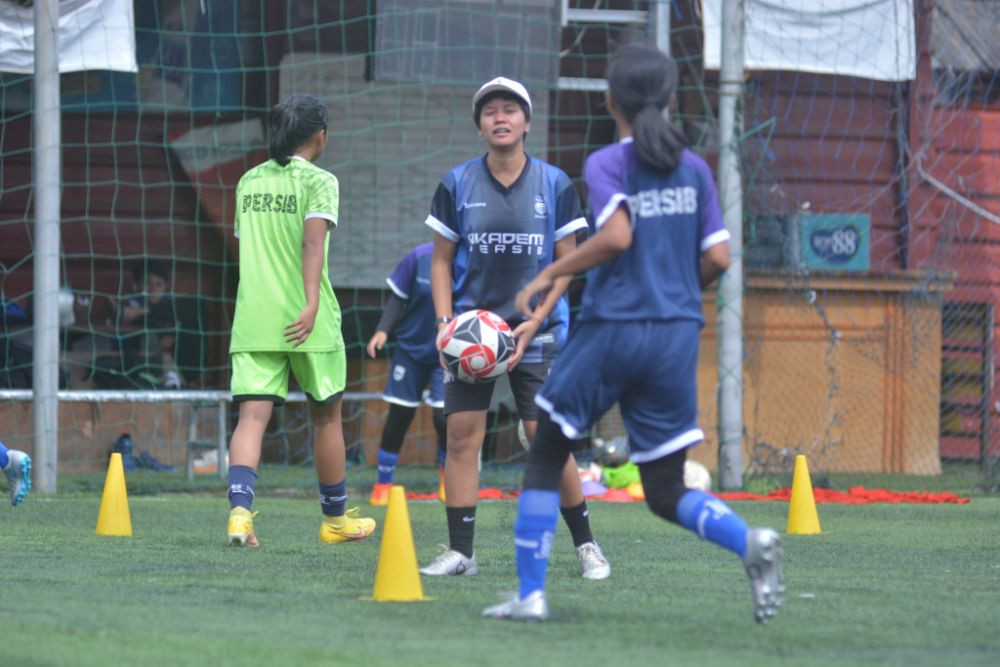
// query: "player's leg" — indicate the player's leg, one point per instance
point(407, 378)
point(576, 515)
point(435, 398)
point(535, 527)
point(397, 422)
point(16, 466)
point(260, 379)
point(526, 381)
point(465, 408)
point(660, 413)
point(322, 376)
point(573, 397)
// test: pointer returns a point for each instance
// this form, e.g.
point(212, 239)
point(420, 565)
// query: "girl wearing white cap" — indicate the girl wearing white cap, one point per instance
point(499, 219)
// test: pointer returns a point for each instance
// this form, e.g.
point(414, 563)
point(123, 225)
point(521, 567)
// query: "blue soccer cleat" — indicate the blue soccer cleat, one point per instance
point(18, 473)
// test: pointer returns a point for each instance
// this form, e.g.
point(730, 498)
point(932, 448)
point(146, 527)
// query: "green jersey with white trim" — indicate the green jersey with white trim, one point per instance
point(272, 205)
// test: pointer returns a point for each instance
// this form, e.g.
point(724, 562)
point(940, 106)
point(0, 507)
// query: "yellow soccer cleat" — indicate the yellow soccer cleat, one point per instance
point(350, 527)
point(240, 528)
point(441, 495)
point(380, 494)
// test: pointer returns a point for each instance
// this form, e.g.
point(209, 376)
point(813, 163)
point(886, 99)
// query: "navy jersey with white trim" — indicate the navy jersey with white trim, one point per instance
point(505, 236)
point(675, 217)
point(411, 281)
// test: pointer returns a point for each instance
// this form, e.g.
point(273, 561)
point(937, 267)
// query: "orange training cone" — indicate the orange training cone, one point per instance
point(802, 516)
point(114, 519)
point(397, 578)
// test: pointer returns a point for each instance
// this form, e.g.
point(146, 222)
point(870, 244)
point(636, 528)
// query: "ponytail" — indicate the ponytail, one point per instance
point(641, 80)
point(291, 124)
point(658, 143)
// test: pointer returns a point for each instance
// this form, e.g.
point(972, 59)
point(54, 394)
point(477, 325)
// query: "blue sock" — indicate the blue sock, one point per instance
point(442, 455)
point(537, 516)
point(4, 459)
point(713, 520)
point(386, 466)
point(241, 482)
point(333, 498)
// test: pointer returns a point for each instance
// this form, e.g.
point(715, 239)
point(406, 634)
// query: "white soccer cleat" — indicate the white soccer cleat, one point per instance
point(532, 608)
point(451, 563)
point(763, 565)
point(593, 564)
point(18, 472)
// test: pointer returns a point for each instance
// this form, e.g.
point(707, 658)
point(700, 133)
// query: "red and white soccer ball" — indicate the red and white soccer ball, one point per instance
point(477, 346)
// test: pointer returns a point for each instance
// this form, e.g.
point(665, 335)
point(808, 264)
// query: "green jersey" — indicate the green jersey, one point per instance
point(272, 205)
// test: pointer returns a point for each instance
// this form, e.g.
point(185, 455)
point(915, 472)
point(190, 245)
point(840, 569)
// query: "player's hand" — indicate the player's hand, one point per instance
point(377, 342)
point(437, 345)
point(523, 334)
point(538, 286)
point(298, 331)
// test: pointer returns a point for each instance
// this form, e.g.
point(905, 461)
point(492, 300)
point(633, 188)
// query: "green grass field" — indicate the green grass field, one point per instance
point(883, 584)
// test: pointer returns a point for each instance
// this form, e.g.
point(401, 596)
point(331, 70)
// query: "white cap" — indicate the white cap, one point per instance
point(504, 84)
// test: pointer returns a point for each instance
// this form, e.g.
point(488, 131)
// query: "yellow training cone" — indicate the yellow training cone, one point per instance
point(397, 578)
point(114, 519)
point(802, 516)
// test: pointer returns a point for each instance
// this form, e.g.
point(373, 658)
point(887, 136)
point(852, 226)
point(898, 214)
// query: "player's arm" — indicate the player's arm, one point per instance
point(525, 332)
point(442, 260)
point(391, 315)
point(714, 262)
point(313, 244)
point(613, 238)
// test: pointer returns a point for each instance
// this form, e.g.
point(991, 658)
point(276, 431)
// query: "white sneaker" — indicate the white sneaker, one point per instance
point(763, 564)
point(451, 563)
point(593, 564)
point(18, 472)
point(532, 608)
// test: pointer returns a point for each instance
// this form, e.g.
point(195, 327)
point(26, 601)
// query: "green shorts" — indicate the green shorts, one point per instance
point(263, 376)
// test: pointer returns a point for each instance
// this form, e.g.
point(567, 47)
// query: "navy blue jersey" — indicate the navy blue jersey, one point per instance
point(411, 281)
point(505, 237)
point(675, 217)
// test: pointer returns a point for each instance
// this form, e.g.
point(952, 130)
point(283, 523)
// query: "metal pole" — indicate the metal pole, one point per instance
point(47, 190)
point(661, 23)
point(730, 305)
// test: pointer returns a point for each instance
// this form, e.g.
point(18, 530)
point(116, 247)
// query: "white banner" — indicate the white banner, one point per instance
point(872, 39)
point(93, 34)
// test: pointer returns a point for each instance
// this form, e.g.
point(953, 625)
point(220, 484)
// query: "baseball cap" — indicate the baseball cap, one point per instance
point(502, 84)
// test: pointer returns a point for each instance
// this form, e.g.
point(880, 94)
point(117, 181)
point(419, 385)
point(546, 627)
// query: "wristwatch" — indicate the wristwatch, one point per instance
point(442, 320)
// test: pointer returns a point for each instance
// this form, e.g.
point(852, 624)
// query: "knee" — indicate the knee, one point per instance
point(662, 498)
point(463, 442)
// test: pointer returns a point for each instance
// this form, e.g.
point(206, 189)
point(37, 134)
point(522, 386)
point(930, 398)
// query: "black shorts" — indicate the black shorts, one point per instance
point(525, 381)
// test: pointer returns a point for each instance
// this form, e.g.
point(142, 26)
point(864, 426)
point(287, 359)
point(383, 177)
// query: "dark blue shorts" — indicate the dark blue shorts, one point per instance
point(408, 378)
point(649, 368)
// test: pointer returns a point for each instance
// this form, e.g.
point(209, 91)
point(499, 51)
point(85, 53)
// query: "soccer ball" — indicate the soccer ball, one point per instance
point(696, 476)
point(611, 453)
point(477, 346)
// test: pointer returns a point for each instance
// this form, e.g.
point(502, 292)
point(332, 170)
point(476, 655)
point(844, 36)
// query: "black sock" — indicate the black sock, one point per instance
point(578, 521)
point(461, 529)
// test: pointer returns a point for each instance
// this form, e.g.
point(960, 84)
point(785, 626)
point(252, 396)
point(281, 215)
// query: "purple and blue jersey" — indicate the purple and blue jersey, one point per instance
point(675, 217)
point(505, 237)
point(411, 282)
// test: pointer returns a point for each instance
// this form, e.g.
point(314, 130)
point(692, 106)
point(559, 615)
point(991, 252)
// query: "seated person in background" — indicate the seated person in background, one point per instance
point(148, 353)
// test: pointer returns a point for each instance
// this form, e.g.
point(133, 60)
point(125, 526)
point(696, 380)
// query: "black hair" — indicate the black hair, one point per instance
point(641, 80)
point(149, 267)
point(502, 95)
point(292, 123)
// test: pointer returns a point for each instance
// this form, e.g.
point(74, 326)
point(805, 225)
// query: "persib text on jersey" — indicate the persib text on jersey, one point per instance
point(668, 201)
point(265, 202)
